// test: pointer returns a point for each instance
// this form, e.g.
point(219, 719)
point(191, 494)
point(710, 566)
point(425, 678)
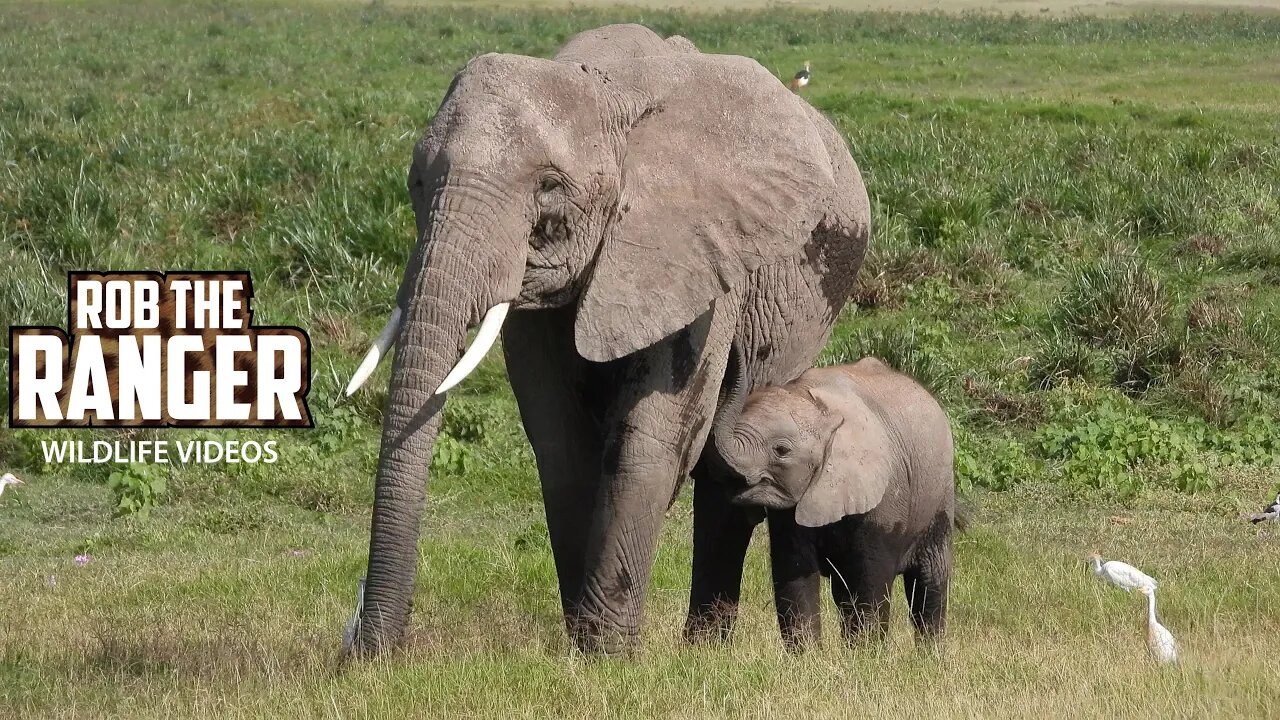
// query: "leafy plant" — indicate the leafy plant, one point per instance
point(451, 455)
point(994, 464)
point(338, 429)
point(137, 487)
point(1111, 447)
point(462, 425)
point(465, 422)
point(1127, 436)
point(1254, 440)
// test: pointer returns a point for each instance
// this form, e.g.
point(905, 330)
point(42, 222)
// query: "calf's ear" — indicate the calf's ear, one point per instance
point(858, 464)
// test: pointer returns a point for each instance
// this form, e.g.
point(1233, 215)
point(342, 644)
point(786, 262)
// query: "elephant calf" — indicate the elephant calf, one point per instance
point(854, 465)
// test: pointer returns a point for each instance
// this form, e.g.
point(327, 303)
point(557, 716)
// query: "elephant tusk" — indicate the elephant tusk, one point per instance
point(381, 345)
point(485, 338)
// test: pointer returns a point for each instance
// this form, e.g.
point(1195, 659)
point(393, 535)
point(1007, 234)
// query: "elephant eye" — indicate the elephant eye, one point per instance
point(548, 184)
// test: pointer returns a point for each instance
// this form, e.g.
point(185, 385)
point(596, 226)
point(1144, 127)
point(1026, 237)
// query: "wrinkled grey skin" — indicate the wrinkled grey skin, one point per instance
point(854, 466)
point(642, 205)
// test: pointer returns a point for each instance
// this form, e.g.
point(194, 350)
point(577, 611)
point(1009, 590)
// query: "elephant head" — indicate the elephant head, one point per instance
point(814, 444)
point(553, 183)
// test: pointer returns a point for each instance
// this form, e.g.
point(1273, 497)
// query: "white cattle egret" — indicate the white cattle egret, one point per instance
point(802, 78)
point(1159, 640)
point(8, 479)
point(1272, 512)
point(1122, 575)
point(353, 624)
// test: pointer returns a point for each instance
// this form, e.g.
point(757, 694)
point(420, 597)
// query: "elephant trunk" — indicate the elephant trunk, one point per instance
point(733, 395)
point(451, 281)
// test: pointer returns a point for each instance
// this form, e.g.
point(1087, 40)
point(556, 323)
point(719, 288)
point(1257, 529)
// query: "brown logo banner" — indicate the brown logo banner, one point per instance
point(150, 349)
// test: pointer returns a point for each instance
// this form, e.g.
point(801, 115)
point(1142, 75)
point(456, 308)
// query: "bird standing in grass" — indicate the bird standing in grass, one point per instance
point(1159, 640)
point(353, 624)
point(8, 479)
point(1272, 512)
point(801, 79)
point(1122, 575)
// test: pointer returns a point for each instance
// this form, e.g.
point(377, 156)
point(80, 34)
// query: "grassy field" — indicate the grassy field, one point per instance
point(1077, 245)
point(1110, 8)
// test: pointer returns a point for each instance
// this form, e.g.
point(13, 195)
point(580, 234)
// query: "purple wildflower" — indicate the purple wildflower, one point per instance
point(84, 559)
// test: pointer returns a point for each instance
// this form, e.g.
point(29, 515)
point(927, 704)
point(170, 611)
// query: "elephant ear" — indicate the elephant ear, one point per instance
point(858, 465)
point(722, 171)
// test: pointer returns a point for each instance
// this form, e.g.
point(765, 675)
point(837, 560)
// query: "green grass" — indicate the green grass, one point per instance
point(1036, 183)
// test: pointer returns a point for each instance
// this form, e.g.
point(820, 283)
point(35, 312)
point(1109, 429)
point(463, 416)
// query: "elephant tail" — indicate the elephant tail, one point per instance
point(962, 519)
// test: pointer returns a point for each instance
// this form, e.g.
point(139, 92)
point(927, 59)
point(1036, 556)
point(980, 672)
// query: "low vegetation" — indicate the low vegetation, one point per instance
point(1076, 246)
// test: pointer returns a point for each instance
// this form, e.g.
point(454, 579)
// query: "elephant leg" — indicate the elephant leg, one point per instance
point(554, 388)
point(721, 534)
point(656, 430)
point(927, 580)
point(797, 580)
point(861, 579)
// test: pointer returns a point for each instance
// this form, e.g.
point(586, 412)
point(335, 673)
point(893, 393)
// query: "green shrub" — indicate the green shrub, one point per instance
point(1114, 448)
point(1192, 477)
point(137, 488)
point(464, 422)
point(451, 455)
point(338, 429)
point(1120, 433)
point(995, 464)
point(932, 295)
point(1254, 440)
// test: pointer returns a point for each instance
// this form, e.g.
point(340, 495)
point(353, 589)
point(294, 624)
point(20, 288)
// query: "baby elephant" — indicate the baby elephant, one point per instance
point(854, 464)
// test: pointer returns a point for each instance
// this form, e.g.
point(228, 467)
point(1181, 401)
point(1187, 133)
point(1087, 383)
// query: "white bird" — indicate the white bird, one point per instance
point(353, 624)
point(1122, 575)
point(1272, 512)
point(8, 479)
point(802, 78)
point(1159, 640)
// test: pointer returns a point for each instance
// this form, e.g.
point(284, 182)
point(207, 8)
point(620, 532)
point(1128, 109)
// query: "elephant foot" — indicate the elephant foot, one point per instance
point(712, 624)
point(801, 633)
point(592, 636)
point(800, 645)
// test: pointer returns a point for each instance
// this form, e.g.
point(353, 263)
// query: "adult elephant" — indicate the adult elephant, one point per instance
point(637, 206)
